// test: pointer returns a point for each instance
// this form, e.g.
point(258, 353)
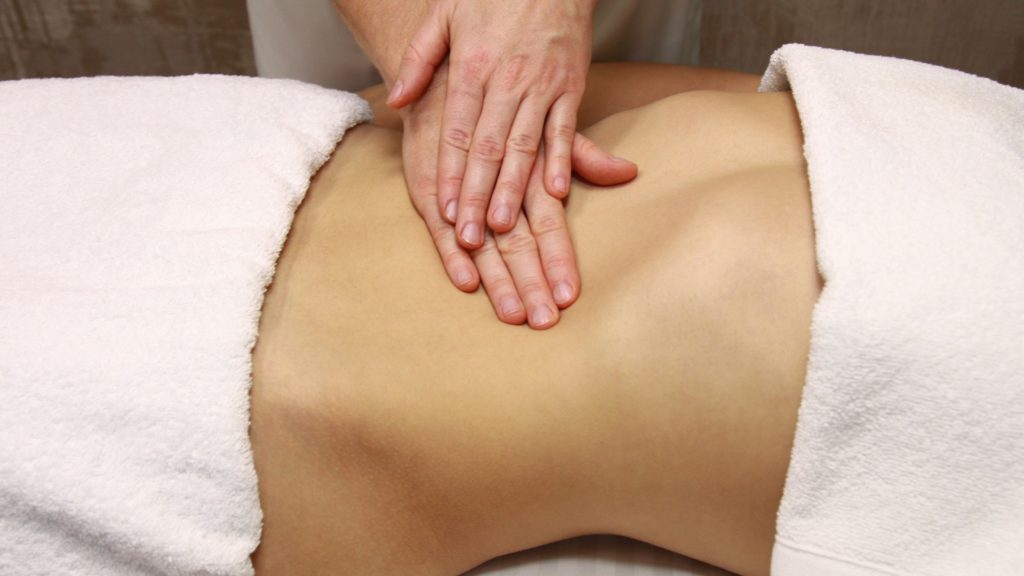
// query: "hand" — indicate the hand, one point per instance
point(531, 267)
point(535, 260)
point(517, 74)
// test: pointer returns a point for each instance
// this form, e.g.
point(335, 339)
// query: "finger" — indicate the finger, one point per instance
point(425, 53)
point(560, 132)
point(497, 281)
point(519, 252)
point(484, 160)
point(599, 167)
point(520, 156)
point(421, 178)
point(548, 226)
point(461, 113)
point(457, 262)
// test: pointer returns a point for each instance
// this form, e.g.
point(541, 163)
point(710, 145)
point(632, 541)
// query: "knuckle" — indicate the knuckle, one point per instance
point(475, 203)
point(575, 82)
point(421, 184)
point(472, 66)
point(464, 92)
point(533, 284)
point(487, 148)
point(440, 234)
point(501, 285)
point(450, 182)
point(549, 77)
point(412, 56)
point(490, 244)
point(509, 188)
point(450, 260)
point(563, 158)
point(457, 137)
point(513, 71)
point(547, 224)
point(517, 243)
point(487, 251)
point(587, 146)
point(561, 131)
point(523, 144)
point(559, 261)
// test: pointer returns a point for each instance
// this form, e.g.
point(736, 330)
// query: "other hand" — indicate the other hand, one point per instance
point(532, 265)
point(517, 74)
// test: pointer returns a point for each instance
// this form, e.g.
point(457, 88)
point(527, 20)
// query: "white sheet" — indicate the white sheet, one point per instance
point(596, 556)
point(140, 220)
point(909, 450)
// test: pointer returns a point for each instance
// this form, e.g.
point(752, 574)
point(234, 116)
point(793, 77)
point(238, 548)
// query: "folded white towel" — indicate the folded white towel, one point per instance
point(140, 221)
point(909, 452)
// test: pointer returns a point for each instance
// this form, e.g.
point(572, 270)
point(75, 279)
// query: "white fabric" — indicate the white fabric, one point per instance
point(909, 451)
point(596, 556)
point(140, 222)
point(306, 40)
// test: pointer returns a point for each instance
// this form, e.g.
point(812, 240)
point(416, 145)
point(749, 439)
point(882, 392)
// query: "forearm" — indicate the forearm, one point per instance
point(384, 29)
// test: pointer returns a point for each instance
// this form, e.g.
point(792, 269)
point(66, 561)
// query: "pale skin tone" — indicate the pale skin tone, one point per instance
point(661, 408)
point(489, 92)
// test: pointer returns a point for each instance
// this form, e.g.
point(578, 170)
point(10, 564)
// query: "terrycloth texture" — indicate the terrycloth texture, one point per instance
point(909, 453)
point(140, 222)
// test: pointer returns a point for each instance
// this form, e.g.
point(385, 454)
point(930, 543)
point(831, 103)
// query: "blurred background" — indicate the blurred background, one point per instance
point(45, 38)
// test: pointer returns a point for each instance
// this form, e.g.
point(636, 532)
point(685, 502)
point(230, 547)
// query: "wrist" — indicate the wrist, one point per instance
point(384, 29)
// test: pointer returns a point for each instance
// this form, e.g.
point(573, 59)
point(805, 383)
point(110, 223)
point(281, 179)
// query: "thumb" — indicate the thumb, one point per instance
point(599, 167)
point(425, 53)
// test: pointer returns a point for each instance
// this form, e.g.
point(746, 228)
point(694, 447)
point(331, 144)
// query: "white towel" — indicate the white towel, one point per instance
point(909, 451)
point(140, 222)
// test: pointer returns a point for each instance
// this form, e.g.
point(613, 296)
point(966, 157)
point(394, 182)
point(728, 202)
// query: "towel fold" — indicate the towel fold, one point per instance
point(909, 451)
point(140, 222)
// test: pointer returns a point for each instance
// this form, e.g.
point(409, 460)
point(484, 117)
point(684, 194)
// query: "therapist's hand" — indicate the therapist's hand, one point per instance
point(538, 248)
point(530, 271)
point(517, 71)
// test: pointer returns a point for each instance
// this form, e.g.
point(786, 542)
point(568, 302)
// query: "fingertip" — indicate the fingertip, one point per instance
point(542, 317)
point(565, 294)
point(471, 235)
point(465, 279)
point(510, 311)
point(451, 211)
point(622, 170)
point(559, 186)
point(502, 218)
point(395, 95)
point(607, 170)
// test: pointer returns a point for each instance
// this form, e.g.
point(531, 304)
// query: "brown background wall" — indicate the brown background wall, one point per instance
point(64, 38)
point(90, 37)
point(985, 37)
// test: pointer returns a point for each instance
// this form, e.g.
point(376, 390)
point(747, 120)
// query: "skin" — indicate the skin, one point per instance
point(513, 272)
point(478, 83)
point(662, 407)
point(517, 74)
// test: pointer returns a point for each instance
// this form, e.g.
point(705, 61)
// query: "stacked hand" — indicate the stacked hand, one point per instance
point(491, 90)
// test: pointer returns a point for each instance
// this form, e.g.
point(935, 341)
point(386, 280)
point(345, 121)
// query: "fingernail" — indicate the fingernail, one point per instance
point(463, 278)
point(451, 210)
point(510, 307)
point(541, 316)
point(618, 160)
point(503, 215)
point(563, 293)
point(560, 185)
point(471, 234)
point(396, 91)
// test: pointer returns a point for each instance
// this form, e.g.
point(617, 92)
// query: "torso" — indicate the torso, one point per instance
point(398, 425)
